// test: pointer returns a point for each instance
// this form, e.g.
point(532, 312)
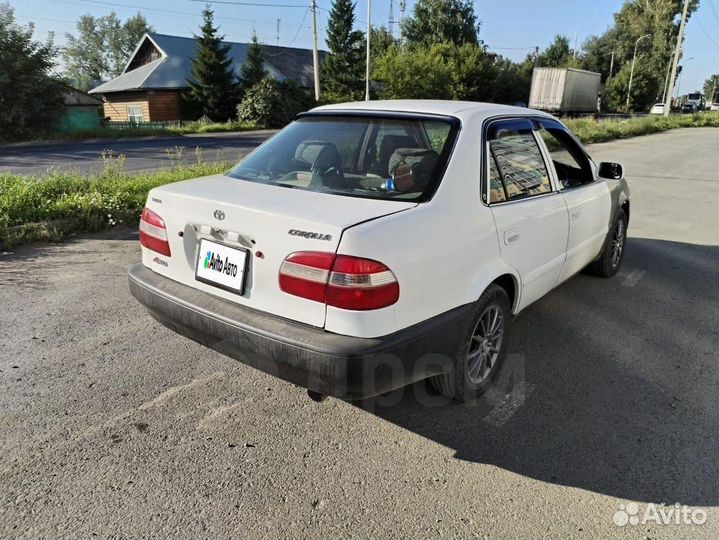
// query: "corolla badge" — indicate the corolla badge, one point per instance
point(219, 214)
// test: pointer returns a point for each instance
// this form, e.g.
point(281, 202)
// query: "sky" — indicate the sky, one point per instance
point(509, 27)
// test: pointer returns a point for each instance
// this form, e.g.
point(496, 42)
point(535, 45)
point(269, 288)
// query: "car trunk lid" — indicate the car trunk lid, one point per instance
point(267, 222)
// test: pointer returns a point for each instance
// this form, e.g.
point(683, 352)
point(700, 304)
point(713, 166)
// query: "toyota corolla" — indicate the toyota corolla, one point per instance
point(371, 245)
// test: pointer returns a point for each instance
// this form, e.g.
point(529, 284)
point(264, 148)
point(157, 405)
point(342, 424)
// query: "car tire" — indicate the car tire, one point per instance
point(609, 262)
point(469, 379)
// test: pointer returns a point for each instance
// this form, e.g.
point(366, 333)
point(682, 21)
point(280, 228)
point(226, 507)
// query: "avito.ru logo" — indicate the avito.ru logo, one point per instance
point(631, 514)
point(215, 262)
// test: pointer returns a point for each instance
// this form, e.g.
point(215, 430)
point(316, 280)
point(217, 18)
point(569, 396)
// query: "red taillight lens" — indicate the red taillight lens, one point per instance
point(305, 274)
point(361, 284)
point(340, 281)
point(153, 233)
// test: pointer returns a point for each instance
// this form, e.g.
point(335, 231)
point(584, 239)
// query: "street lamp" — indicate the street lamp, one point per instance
point(634, 59)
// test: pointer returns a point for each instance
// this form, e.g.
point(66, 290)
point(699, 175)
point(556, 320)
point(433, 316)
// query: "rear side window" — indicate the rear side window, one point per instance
point(377, 157)
point(518, 162)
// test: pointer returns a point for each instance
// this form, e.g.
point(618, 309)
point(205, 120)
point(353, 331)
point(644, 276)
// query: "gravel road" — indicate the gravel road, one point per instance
point(112, 426)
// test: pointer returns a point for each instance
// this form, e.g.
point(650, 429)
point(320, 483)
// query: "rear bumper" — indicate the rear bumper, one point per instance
point(341, 366)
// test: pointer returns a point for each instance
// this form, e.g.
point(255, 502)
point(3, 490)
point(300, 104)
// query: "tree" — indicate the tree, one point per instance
point(511, 81)
point(711, 88)
point(597, 54)
point(558, 54)
point(344, 67)
point(253, 70)
point(381, 40)
point(101, 47)
point(214, 89)
point(30, 97)
point(439, 71)
point(441, 21)
point(636, 18)
point(644, 83)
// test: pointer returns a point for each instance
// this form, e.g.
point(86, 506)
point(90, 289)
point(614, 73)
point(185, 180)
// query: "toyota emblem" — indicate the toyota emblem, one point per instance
point(219, 214)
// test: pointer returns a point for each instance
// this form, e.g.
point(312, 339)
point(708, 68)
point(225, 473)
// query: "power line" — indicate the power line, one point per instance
point(299, 28)
point(714, 10)
point(509, 48)
point(31, 19)
point(707, 33)
point(156, 10)
point(259, 4)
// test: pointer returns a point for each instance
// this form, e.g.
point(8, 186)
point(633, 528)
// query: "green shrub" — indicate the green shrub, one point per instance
point(273, 104)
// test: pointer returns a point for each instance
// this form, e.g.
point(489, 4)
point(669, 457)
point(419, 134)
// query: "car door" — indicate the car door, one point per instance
point(530, 215)
point(587, 197)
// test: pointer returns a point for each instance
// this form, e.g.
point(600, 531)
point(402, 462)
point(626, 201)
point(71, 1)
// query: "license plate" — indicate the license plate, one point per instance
point(221, 266)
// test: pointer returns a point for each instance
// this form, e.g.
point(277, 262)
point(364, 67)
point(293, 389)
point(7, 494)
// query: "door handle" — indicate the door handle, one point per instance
point(511, 235)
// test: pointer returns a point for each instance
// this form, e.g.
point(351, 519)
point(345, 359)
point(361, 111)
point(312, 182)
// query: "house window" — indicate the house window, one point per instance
point(134, 114)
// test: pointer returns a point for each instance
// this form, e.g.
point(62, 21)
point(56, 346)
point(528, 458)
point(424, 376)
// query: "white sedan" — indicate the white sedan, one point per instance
point(657, 108)
point(371, 245)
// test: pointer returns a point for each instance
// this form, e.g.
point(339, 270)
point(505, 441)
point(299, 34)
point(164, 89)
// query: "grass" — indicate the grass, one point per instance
point(150, 130)
point(60, 204)
point(591, 131)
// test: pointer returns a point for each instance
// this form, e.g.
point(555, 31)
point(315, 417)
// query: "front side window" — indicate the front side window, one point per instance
point(570, 162)
point(361, 156)
point(134, 113)
point(518, 161)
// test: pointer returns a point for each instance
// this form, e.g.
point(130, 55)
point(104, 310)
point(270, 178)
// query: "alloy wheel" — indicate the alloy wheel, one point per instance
point(618, 243)
point(485, 344)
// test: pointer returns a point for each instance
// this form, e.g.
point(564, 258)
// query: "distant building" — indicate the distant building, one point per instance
point(151, 85)
point(81, 110)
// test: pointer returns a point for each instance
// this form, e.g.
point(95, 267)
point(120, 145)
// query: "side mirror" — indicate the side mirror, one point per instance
point(613, 171)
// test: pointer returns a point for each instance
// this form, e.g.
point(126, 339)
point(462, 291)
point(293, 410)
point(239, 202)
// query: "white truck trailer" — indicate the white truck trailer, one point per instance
point(564, 90)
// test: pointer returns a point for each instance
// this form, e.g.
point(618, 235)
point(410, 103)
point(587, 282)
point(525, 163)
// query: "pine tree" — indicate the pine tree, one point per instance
point(253, 70)
point(213, 87)
point(441, 21)
point(345, 65)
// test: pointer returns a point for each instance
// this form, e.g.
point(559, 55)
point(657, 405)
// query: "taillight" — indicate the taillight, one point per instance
point(153, 233)
point(340, 281)
point(305, 274)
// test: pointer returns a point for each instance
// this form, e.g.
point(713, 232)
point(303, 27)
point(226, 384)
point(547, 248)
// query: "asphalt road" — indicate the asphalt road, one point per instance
point(112, 426)
point(147, 153)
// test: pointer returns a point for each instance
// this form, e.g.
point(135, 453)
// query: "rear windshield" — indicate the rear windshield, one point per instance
point(370, 157)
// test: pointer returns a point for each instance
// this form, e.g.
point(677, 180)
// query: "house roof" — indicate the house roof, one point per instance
point(174, 66)
point(73, 97)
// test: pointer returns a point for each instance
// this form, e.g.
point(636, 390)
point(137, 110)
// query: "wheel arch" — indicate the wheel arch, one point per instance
point(511, 284)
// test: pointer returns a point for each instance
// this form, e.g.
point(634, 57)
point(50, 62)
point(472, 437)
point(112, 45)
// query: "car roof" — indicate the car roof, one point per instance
point(459, 109)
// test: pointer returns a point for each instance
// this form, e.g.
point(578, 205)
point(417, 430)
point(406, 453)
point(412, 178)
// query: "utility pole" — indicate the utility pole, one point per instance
point(666, 83)
point(576, 35)
point(369, 33)
point(390, 21)
point(315, 53)
point(611, 64)
point(677, 54)
point(278, 31)
point(536, 56)
point(631, 73)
